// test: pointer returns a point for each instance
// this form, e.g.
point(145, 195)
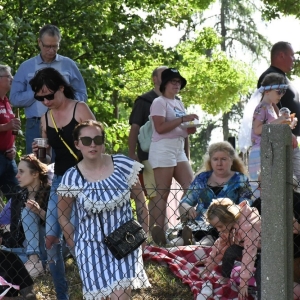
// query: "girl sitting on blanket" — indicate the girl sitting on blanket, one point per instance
point(239, 229)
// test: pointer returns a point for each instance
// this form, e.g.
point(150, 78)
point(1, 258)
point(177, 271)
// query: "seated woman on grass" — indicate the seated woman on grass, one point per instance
point(27, 215)
point(224, 176)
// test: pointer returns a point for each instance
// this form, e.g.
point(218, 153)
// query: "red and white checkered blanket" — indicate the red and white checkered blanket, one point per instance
point(181, 261)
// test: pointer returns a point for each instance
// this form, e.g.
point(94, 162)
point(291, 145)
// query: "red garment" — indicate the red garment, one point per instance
point(7, 139)
point(181, 260)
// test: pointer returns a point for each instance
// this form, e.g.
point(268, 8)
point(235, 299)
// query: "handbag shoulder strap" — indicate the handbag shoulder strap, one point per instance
point(101, 225)
point(71, 151)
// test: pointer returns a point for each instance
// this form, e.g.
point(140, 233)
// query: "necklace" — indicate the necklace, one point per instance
point(214, 181)
point(96, 175)
point(98, 172)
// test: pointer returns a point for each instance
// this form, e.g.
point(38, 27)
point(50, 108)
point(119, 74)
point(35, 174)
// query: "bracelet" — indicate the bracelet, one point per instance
point(182, 119)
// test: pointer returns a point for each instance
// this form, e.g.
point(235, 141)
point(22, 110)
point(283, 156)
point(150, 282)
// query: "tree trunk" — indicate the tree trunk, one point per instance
point(115, 97)
point(225, 122)
point(223, 48)
point(223, 26)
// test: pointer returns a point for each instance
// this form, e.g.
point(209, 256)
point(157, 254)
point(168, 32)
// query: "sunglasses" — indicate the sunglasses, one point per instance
point(281, 91)
point(48, 97)
point(87, 141)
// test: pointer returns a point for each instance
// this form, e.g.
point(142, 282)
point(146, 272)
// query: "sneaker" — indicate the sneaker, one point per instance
point(187, 236)
point(34, 269)
point(158, 236)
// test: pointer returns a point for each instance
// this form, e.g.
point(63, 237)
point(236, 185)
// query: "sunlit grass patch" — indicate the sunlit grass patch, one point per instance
point(165, 286)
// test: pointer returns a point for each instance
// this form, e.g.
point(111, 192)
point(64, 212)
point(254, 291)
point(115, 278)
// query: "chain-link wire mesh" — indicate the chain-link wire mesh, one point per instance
point(185, 245)
point(206, 258)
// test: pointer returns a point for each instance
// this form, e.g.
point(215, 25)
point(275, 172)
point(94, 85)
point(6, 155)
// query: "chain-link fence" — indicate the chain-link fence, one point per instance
point(234, 245)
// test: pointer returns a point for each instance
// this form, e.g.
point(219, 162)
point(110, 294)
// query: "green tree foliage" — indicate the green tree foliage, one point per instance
point(238, 33)
point(101, 36)
point(274, 8)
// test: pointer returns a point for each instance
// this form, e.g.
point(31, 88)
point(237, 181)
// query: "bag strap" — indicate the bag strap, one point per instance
point(101, 225)
point(71, 151)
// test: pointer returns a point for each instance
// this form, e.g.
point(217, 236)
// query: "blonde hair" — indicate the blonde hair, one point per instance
point(237, 163)
point(223, 208)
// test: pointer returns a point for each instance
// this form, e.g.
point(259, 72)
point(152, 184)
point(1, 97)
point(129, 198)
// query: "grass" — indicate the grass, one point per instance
point(165, 286)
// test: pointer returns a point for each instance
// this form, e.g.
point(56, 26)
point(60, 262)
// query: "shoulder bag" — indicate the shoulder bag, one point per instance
point(124, 239)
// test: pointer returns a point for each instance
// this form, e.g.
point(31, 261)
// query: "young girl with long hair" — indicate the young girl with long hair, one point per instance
point(28, 212)
point(239, 229)
point(273, 88)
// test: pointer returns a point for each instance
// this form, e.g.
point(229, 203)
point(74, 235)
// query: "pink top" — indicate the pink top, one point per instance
point(170, 109)
point(265, 113)
point(245, 233)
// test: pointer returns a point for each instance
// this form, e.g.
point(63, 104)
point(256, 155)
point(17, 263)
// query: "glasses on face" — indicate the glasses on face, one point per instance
point(175, 81)
point(281, 91)
point(48, 47)
point(7, 76)
point(42, 98)
point(87, 141)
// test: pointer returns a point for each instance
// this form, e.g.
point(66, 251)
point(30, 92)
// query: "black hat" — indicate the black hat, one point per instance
point(169, 74)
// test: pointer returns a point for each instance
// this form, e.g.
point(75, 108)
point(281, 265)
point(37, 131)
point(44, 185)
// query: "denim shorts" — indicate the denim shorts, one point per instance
point(167, 153)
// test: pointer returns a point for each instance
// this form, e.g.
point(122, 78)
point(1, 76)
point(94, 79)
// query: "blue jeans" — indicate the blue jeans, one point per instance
point(32, 131)
point(54, 254)
point(34, 233)
point(8, 172)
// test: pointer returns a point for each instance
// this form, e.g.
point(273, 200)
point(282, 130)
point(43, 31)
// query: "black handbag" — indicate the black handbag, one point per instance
point(124, 239)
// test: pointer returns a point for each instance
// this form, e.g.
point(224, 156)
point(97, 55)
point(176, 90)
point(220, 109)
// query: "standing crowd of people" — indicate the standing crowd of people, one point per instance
point(88, 196)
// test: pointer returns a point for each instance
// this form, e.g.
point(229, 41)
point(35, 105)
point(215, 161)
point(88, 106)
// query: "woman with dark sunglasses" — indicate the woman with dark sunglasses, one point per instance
point(272, 88)
point(63, 114)
point(101, 187)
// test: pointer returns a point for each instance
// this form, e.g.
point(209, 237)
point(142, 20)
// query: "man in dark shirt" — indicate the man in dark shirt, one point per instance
point(282, 62)
point(138, 117)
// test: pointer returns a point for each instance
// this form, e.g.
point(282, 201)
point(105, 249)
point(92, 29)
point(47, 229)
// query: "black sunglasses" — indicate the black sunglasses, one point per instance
point(48, 97)
point(87, 141)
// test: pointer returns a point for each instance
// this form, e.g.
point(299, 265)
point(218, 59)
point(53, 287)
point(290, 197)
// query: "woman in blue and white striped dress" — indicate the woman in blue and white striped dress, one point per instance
point(101, 186)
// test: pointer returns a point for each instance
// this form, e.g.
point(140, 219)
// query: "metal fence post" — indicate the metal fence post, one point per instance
point(277, 212)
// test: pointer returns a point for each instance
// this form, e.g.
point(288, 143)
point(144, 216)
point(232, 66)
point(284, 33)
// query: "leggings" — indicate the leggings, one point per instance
point(235, 252)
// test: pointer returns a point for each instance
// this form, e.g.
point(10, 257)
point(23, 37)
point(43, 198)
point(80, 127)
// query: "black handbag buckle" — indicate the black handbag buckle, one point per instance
point(130, 238)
